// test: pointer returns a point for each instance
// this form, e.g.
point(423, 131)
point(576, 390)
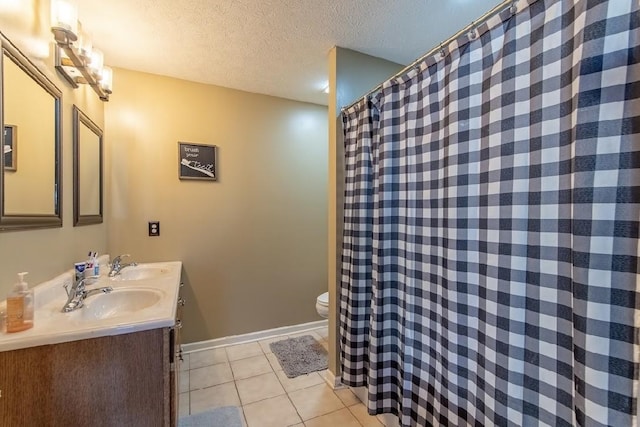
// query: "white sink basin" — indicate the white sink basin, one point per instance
point(141, 273)
point(145, 302)
point(119, 302)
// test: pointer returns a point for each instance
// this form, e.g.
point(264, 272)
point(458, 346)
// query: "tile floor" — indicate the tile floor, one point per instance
point(249, 375)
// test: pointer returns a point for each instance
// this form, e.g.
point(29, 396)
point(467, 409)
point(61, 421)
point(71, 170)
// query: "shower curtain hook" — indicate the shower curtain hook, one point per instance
point(442, 52)
point(472, 35)
point(514, 7)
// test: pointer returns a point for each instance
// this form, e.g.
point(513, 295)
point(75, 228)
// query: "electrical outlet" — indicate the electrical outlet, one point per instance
point(154, 228)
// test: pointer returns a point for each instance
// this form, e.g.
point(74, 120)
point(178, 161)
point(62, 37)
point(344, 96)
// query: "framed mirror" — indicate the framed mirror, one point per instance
point(87, 170)
point(30, 183)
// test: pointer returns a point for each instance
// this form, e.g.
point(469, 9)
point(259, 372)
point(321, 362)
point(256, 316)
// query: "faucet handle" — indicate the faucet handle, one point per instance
point(80, 285)
point(118, 258)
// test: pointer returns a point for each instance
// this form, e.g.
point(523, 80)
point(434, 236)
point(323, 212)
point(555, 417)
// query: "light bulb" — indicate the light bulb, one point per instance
point(106, 80)
point(97, 62)
point(84, 45)
point(64, 15)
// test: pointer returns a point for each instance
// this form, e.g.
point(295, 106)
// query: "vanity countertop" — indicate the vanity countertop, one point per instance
point(144, 297)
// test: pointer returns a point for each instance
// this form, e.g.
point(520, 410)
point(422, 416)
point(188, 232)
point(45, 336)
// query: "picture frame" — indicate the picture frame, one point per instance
point(10, 147)
point(197, 161)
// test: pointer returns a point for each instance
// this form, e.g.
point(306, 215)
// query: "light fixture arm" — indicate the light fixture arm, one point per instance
point(64, 40)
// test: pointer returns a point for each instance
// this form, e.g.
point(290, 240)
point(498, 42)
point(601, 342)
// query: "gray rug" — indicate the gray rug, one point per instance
point(226, 416)
point(300, 355)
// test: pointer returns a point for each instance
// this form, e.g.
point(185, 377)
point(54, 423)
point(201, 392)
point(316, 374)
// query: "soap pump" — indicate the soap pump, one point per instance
point(20, 305)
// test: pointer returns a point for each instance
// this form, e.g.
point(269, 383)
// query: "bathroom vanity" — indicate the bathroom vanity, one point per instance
point(113, 362)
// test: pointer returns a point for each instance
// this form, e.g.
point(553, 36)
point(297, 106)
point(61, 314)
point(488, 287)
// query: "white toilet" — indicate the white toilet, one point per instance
point(322, 305)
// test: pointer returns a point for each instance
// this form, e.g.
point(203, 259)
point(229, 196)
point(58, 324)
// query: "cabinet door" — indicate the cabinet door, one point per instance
point(25, 387)
point(116, 381)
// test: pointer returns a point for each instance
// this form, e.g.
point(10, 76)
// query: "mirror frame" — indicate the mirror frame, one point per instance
point(26, 221)
point(80, 118)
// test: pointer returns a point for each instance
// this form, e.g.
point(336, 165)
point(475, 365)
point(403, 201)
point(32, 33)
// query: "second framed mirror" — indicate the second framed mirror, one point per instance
point(87, 170)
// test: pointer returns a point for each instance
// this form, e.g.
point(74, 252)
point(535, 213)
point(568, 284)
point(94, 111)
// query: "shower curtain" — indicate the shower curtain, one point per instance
point(491, 221)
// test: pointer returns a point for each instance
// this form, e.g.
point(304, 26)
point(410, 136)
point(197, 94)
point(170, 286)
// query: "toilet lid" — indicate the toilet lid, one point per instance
point(324, 299)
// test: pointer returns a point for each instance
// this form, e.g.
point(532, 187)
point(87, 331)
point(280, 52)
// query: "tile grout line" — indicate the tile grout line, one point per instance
point(311, 332)
point(235, 387)
point(286, 393)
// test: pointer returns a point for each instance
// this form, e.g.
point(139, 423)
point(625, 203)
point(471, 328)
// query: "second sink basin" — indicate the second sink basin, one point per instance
point(141, 273)
point(120, 302)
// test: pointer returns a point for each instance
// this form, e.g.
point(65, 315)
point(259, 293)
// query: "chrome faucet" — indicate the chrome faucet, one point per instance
point(117, 265)
point(78, 293)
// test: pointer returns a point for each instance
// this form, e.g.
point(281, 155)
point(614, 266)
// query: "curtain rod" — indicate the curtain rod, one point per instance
point(488, 15)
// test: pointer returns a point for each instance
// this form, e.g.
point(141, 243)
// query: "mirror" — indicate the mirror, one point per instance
point(87, 170)
point(30, 173)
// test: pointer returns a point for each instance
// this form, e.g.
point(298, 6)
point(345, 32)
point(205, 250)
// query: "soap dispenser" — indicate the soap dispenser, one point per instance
point(20, 306)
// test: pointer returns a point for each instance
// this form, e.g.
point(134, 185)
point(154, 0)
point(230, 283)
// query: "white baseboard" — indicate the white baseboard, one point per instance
point(252, 336)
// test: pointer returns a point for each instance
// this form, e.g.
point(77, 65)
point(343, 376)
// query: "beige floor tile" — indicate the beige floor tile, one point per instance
point(342, 418)
point(266, 348)
point(389, 420)
point(184, 381)
point(314, 401)
point(183, 404)
point(273, 360)
point(210, 376)
point(250, 367)
point(298, 425)
point(299, 382)
point(325, 344)
point(360, 412)
point(347, 397)
point(214, 397)
point(199, 359)
point(242, 351)
point(274, 412)
point(184, 363)
point(259, 387)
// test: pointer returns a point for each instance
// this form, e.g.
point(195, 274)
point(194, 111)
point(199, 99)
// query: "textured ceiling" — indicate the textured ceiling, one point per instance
point(273, 47)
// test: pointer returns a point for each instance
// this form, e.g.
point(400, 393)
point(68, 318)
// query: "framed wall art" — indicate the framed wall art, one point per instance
point(197, 161)
point(10, 138)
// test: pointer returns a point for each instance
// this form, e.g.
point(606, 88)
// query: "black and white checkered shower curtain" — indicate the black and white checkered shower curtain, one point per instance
point(492, 213)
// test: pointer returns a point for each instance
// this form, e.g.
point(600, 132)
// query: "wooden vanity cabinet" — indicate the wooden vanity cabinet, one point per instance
point(120, 380)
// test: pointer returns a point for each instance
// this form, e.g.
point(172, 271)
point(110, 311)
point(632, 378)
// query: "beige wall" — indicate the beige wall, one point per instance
point(47, 253)
point(351, 75)
point(253, 244)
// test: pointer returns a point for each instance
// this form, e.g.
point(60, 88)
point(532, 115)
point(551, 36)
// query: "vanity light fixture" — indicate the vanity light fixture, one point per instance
point(107, 79)
point(76, 58)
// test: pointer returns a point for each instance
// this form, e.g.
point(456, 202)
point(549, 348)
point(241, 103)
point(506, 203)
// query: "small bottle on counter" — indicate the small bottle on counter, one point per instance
point(79, 269)
point(96, 264)
point(20, 307)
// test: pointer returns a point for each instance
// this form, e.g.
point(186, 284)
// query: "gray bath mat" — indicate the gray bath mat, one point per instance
point(226, 416)
point(300, 355)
